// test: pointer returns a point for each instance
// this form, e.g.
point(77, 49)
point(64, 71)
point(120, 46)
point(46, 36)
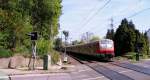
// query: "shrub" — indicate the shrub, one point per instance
point(131, 55)
point(43, 47)
point(5, 53)
point(55, 56)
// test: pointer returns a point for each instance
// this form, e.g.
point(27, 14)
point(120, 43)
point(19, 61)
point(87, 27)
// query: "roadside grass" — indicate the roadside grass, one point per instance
point(131, 56)
point(55, 56)
point(120, 58)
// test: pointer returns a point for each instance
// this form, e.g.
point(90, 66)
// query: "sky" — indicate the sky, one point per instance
point(94, 16)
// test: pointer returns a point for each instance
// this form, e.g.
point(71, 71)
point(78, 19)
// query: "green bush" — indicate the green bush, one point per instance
point(131, 55)
point(5, 53)
point(55, 56)
point(43, 47)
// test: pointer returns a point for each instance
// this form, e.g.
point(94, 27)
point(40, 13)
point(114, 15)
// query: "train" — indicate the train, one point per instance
point(102, 48)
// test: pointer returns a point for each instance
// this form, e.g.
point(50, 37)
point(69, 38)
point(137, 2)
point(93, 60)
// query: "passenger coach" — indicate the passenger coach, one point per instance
point(104, 47)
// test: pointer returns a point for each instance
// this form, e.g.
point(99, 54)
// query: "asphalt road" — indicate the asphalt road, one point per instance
point(82, 73)
point(128, 72)
point(95, 71)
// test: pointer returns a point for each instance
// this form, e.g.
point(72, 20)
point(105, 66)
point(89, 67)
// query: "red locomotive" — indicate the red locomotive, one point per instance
point(104, 47)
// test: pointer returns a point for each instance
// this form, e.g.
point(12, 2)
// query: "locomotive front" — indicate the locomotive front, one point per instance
point(106, 47)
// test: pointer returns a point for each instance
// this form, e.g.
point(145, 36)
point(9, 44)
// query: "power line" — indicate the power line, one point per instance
point(87, 16)
point(135, 14)
point(112, 25)
point(87, 21)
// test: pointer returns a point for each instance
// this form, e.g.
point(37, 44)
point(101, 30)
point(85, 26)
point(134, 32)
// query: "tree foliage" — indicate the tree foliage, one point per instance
point(58, 43)
point(110, 34)
point(19, 17)
point(45, 15)
point(94, 38)
point(14, 24)
point(127, 37)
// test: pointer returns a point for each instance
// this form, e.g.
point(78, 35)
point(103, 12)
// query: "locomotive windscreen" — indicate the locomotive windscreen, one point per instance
point(106, 43)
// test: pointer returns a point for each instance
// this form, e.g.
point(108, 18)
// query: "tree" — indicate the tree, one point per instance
point(148, 35)
point(124, 38)
point(94, 38)
point(45, 15)
point(19, 17)
point(127, 38)
point(110, 34)
point(75, 42)
point(13, 22)
point(58, 43)
point(146, 44)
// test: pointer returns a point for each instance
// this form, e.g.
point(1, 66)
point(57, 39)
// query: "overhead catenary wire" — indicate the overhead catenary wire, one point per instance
point(139, 12)
point(133, 15)
point(91, 17)
point(130, 16)
point(85, 18)
point(95, 14)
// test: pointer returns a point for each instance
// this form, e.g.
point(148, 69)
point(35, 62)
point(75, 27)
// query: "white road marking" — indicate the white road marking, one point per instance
point(4, 77)
point(81, 71)
point(35, 75)
point(94, 78)
point(146, 66)
point(125, 71)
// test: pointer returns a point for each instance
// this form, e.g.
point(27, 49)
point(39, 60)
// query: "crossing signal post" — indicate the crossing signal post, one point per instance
point(34, 37)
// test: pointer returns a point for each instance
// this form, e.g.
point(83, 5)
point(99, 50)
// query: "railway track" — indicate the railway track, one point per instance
point(112, 74)
point(133, 67)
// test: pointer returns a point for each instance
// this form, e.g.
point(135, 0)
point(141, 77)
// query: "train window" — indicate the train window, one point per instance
point(105, 41)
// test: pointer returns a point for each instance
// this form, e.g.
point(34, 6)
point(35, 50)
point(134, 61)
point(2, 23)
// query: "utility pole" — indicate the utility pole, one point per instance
point(87, 37)
point(110, 33)
point(111, 23)
point(66, 33)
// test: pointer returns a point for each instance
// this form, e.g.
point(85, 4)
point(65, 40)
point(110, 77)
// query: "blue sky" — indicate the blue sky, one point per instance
point(80, 16)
